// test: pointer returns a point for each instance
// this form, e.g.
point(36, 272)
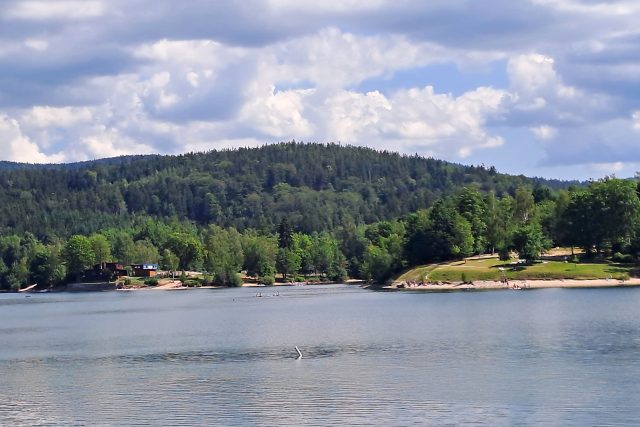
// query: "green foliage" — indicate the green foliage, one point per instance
point(529, 241)
point(326, 256)
point(603, 214)
point(267, 280)
point(78, 255)
point(285, 234)
point(188, 248)
point(317, 187)
point(471, 206)
point(122, 245)
point(378, 264)
point(46, 268)
point(223, 255)
point(145, 252)
point(169, 261)
point(287, 262)
point(152, 281)
point(303, 247)
point(260, 255)
point(623, 258)
point(442, 235)
point(15, 255)
point(504, 254)
point(101, 248)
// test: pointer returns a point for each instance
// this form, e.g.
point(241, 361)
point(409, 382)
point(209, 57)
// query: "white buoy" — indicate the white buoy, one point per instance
point(299, 353)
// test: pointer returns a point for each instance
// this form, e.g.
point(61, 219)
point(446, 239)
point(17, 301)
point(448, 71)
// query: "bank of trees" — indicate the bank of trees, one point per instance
point(602, 217)
point(316, 187)
point(221, 254)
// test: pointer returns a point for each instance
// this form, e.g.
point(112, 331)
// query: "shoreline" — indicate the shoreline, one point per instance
point(482, 285)
point(174, 285)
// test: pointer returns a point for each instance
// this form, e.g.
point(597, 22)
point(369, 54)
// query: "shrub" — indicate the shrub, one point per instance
point(152, 281)
point(192, 283)
point(267, 280)
point(235, 281)
point(503, 254)
point(127, 282)
point(463, 277)
point(622, 258)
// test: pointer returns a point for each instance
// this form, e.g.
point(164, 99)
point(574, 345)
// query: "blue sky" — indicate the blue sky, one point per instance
point(537, 87)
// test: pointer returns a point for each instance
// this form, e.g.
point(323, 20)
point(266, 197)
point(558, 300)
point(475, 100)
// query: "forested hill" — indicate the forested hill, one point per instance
point(316, 186)
point(9, 166)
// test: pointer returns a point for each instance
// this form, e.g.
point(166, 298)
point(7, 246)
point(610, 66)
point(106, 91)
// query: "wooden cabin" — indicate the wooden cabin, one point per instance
point(145, 270)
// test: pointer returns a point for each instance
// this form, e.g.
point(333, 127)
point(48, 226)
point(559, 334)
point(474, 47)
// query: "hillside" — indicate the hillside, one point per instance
point(316, 186)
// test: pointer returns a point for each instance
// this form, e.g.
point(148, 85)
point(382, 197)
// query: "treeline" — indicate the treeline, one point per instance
point(220, 253)
point(601, 218)
point(317, 187)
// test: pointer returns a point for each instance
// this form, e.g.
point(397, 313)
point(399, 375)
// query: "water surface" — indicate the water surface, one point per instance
point(226, 357)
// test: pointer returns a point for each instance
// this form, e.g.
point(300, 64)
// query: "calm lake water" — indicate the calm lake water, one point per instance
point(225, 357)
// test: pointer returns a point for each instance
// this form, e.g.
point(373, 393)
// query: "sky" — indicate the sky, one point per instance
point(536, 87)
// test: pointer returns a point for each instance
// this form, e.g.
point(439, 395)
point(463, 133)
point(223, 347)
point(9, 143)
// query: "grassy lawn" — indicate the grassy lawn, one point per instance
point(417, 274)
point(487, 269)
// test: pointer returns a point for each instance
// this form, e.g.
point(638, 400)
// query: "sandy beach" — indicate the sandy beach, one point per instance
point(515, 285)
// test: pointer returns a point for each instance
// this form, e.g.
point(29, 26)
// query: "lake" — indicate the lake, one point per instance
point(227, 357)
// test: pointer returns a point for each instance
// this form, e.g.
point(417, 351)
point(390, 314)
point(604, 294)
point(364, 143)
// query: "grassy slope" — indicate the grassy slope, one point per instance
point(487, 269)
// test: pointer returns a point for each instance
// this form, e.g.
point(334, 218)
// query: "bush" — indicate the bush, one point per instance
point(622, 258)
point(127, 282)
point(235, 281)
point(503, 254)
point(152, 281)
point(463, 277)
point(192, 283)
point(267, 280)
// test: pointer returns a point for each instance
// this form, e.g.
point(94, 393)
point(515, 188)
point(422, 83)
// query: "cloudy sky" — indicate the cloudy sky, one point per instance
point(539, 87)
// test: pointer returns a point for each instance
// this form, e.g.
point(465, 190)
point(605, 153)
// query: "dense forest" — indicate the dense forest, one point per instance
point(317, 187)
point(296, 211)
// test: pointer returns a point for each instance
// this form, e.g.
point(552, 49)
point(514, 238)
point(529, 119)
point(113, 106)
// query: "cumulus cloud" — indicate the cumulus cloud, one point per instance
point(54, 10)
point(416, 119)
point(17, 147)
point(87, 79)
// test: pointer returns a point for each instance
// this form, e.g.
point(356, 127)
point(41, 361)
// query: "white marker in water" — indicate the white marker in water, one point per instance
point(299, 353)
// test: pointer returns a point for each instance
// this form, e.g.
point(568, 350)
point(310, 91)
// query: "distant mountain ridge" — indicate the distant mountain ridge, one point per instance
point(316, 186)
point(8, 166)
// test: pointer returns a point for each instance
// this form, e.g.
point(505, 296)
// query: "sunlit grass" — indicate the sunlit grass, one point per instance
point(488, 269)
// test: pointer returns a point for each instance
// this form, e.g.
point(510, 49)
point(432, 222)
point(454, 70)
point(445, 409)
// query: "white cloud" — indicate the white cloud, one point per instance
point(45, 116)
point(325, 6)
point(334, 59)
point(607, 168)
point(636, 120)
point(17, 147)
point(56, 9)
point(278, 114)
point(37, 44)
point(544, 132)
point(416, 119)
point(533, 73)
point(617, 8)
point(153, 77)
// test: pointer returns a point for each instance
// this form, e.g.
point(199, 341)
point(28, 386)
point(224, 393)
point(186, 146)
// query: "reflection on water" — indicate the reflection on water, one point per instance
point(225, 357)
